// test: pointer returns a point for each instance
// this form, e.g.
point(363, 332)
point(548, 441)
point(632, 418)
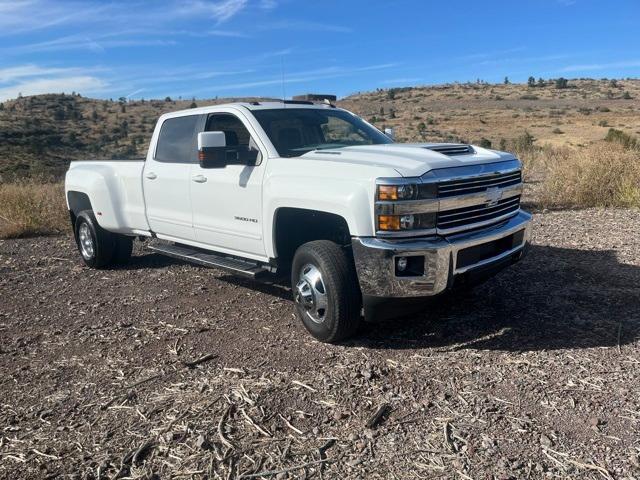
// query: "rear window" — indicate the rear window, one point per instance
point(175, 143)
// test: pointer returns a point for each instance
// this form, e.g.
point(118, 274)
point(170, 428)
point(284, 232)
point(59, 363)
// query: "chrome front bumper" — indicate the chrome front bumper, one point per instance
point(376, 267)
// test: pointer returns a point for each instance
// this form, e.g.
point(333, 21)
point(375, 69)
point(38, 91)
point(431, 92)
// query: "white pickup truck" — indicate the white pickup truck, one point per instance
point(363, 227)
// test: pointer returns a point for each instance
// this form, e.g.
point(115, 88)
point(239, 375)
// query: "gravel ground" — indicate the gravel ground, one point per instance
point(167, 370)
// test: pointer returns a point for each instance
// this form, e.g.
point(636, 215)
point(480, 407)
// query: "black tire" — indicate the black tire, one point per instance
point(341, 317)
point(122, 250)
point(99, 251)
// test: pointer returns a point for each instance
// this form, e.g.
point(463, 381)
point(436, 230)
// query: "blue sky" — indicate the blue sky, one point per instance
point(208, 48)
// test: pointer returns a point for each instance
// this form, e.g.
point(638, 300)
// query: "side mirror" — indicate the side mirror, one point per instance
point(213, 151)
point(390, 132)
point(211, 147)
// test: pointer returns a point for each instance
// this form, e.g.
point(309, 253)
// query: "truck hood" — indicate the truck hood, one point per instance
point(408, 159)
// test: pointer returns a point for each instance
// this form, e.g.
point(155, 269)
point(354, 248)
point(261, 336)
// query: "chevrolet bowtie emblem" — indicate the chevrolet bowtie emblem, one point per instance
point(494, 195)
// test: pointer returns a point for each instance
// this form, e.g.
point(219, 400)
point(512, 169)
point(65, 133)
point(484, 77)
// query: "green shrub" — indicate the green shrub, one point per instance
point(484, 143)
point(524, 142)
point(624, 139)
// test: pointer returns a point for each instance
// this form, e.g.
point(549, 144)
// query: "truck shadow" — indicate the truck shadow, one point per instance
point(555, 298)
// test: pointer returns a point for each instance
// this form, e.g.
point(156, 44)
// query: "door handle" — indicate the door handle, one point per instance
point(199, 179)
point(151, 176)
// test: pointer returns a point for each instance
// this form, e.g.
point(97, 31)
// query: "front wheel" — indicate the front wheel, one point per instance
point(325, 290)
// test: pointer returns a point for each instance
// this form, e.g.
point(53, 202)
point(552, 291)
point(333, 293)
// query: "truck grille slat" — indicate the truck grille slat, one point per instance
point(468, 211)
point(469, 216)
point(481, 181)
point(474, 185)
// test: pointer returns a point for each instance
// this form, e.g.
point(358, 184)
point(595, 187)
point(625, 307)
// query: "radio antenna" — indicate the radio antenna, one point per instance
point(284, 97)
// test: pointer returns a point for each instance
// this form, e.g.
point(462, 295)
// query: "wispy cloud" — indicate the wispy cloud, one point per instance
point(96, 44)
point(268, 4)
point(516, 60)
point(490, 54)
point(221, 11)
point(298, 77)
point(84, 84)
point(227, 33)
point(306, 26)
point(399, 81)
point(20, 16)
point(31, 79)
point(587, 67)
point(27, 71)
point(135, 92)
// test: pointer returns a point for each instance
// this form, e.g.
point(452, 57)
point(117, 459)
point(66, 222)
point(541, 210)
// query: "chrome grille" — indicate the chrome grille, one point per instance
point(456, 199)
point(478, 184)
point(449, 221)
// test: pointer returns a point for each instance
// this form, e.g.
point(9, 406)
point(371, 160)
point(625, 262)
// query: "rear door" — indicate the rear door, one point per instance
point(227, 202)
point(166, 179)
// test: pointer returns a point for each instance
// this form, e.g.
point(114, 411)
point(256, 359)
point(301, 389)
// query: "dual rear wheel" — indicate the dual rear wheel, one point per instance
point(98, 247)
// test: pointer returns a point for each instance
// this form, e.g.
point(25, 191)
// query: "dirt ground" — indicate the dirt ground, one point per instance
point(166, 370)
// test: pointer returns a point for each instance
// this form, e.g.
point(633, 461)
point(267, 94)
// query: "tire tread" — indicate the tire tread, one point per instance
point(342, 278)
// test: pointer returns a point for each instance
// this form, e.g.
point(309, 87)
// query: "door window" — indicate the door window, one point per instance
point(236, 134)
point(234, 130)
point(175, 143)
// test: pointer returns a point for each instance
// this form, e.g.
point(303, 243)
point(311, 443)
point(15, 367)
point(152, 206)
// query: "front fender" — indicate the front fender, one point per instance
point(347, 198)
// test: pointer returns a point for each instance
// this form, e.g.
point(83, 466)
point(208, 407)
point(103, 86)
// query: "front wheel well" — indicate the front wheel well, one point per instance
point(294, 227)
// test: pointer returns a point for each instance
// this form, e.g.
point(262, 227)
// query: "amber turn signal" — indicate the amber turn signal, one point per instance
point(388, 222)
point(387, 192)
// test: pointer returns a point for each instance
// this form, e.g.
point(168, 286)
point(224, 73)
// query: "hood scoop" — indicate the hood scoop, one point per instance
point(451, 149)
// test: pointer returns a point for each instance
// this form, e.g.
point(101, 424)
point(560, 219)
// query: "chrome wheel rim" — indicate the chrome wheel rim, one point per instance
point(311, 293)
point(85, 240)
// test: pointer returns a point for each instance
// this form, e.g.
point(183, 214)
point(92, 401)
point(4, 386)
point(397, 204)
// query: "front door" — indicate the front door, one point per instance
point(167, 182)
point(227, 202)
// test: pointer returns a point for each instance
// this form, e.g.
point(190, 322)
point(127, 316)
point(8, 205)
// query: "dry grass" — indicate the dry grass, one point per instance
point(600, 175)
point(603, 174)
point(31, 208)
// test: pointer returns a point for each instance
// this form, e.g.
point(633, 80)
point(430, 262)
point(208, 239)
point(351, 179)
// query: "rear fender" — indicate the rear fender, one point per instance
point(100, 186)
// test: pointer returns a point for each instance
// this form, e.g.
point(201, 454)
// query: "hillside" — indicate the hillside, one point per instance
point(39, 135)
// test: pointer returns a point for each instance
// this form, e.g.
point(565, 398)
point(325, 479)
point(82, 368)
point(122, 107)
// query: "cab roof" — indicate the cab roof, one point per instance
point(252, 106)
point(286, 104)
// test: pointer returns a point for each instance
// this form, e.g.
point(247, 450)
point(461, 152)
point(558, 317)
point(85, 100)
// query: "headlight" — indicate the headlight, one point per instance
point(399, 206)
point(397, 192)
point(397, 223)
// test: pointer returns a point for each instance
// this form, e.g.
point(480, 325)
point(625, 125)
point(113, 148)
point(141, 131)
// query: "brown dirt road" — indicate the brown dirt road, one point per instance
point(534, 374)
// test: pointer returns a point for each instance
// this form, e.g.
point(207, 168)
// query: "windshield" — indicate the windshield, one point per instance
point(296, 131)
